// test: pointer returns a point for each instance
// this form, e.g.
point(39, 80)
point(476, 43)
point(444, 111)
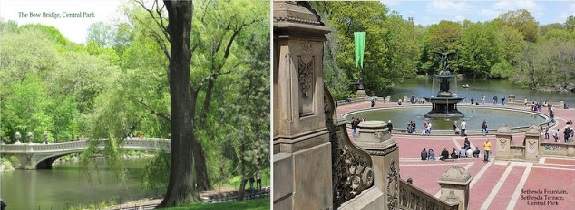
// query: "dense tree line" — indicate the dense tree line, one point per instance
point(116, 85)
point(512, 46)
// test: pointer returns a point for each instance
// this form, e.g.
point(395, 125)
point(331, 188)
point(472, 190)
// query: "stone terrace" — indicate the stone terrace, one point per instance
point(495, 184)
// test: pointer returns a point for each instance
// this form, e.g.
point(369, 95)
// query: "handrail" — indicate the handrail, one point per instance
point(411, 197)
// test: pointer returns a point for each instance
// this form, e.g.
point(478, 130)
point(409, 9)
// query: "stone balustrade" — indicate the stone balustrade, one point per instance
point(557, 149)
point(411, 197)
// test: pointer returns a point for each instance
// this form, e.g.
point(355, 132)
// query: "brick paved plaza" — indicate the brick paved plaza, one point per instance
point(495, 184)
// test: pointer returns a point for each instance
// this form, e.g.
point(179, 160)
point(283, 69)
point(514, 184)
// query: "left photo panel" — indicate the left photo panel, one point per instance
point(134, 104)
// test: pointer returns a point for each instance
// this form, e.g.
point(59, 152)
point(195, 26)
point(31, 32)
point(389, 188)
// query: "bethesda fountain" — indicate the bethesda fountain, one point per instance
point(445, 102)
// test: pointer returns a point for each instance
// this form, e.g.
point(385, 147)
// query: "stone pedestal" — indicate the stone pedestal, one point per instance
point(301, 147)
point(372, 132)
point(360, 93)
point(455, 186)
point(532, 137)
point(375, 139)
point(502, 143)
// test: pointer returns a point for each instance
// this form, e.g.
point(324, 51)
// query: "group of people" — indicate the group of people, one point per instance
point(426, 128)
point(416, 100)
point(568, 133)
point(459, 130)
point(536, 106)
point(502, 100)
point(411, 127)
point(464, 152)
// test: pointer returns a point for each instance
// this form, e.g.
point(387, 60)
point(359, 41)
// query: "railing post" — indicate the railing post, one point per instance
point(455, 186)
point(532, 143)
point(375, 139)
point(503, 140)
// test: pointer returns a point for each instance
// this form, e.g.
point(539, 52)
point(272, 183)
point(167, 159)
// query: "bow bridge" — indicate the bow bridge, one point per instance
point(42, 156)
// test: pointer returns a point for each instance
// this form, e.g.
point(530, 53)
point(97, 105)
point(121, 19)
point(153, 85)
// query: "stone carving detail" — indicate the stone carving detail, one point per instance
point(502, 142)
point(532, 144)
point(305, 75)
point(392, 186)
point(551, 147)
point(352, 168)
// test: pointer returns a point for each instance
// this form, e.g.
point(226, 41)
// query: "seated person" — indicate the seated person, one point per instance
point(430, 154)
point(476, 152)
point(466, 144)
point(462, 153)
point(454, 154)
point(423, 154)
point(469, 153)
point(444, 154)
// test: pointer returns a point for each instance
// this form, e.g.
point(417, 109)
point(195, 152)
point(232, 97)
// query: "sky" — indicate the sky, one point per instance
point(75, 28)
point(432, 11)
point(424, 12)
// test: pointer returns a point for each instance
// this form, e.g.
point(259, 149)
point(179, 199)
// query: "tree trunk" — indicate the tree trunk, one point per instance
point(202, 178)
point(181, 187)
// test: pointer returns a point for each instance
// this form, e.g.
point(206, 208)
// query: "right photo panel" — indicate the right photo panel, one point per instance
point(423, 104)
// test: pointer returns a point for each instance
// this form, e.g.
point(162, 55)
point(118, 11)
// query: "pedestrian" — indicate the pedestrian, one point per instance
point(372, 102)
point(455, 127)
point(503, 100)
point(463, 125)
point(484, 127)
point(494, 99)
point(429, 128)
point(483, 100)
point(555, 135)
point(547, 133)
point(487, 149)
point(389, 126)
point(472, 101)
point(566, 133)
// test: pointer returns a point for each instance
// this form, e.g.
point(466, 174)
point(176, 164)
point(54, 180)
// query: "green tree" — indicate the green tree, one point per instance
point(444, 37)
point(522, 21)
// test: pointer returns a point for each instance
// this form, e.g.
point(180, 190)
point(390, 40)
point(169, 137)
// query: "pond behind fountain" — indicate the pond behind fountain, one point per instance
point(474, 116)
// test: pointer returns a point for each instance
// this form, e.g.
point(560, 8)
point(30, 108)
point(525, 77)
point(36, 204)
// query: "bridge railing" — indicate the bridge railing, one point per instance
point(130, 143)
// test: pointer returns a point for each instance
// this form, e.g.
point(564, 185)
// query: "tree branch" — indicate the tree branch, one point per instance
point(152, 111)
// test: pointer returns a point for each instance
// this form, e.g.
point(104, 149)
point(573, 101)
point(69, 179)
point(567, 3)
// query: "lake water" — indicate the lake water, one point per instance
point(70, 185)
point(477, 89)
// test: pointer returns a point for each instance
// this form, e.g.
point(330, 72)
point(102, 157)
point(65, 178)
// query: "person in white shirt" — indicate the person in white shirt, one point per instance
point(463, 123)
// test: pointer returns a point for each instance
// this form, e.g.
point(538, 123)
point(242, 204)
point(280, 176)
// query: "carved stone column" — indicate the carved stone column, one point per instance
point(375, 139)
point(455, 186)
point(502, 143)
point(301, 147)
point(532, 137)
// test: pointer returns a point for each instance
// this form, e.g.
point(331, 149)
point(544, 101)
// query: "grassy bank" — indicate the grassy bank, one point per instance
point(258, 204)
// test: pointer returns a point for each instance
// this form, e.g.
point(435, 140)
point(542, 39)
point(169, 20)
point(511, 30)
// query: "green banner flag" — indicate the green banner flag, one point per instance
point(359, 48)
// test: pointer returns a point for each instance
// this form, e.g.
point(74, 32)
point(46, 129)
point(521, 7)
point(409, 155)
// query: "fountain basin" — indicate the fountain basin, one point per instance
point(496, 117)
